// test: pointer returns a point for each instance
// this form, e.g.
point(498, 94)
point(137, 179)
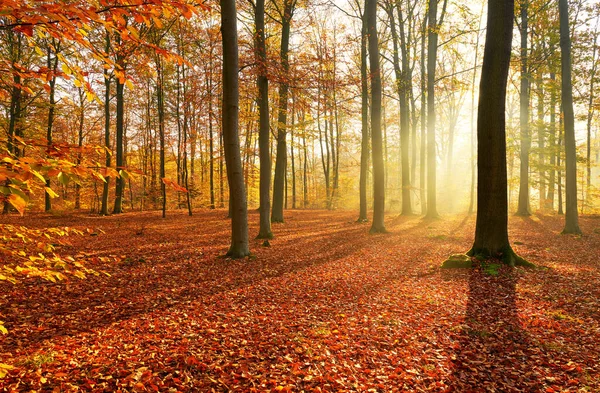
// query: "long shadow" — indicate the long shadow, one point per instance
point(38, 311)
point(490, 356)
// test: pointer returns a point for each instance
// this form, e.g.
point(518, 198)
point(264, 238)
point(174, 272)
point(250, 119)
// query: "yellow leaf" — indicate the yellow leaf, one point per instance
point(38, 175)
point(129, 84)
point(39, 51)
point(4, 369)
point(50, 192)
point(66, 69)
point(77, 83)
point(17, 202)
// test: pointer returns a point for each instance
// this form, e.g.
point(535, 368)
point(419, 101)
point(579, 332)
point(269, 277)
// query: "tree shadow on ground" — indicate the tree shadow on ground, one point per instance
point(491, 351)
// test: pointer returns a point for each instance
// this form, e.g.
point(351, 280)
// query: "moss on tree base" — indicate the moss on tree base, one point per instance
point(458, 261)
point(489, 262)
point(506, 256)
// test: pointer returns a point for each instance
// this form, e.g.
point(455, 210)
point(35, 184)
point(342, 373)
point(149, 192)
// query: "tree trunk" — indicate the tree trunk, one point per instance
point(402, 83)
point(281, 158)
point(423, 147)
point(491, 232)
point(120, 181)
point(81, 120)
point(571, 217)
point(541, 142)
point(431, 148)
point(262, 83)
point(364, 111)
point(523, 207)
point(378, 225)
point(473, 157)
point(108, 155)
point(52, 64)
point(161, 132)
point(552, 142)
point(230, 112)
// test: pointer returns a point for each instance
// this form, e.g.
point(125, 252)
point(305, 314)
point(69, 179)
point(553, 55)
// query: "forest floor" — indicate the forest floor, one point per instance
point(326, 308)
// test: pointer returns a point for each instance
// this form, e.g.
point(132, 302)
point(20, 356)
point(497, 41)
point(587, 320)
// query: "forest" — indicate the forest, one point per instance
point(299, 196)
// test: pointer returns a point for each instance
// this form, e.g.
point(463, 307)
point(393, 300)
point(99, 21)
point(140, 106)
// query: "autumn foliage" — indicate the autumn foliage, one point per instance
point(326, 308)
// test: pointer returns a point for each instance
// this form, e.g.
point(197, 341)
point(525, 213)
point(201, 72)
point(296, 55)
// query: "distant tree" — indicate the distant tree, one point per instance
point(285, 13)
point(523, 207)
point(378, 225)
point(364, 115)
point(230, 113)
point(491, 232)
point(571, 218)
point(432, 47)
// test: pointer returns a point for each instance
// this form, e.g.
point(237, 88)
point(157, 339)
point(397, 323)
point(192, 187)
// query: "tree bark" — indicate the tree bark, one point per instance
point(107, 153)
point(491, 232)
point(262, 83)
point(571, 217)
point(120, 181)
point(281, 158)
point(523, 206)
point(230, 112)
point(364, 113)
point(378, 225)
point(431, 148)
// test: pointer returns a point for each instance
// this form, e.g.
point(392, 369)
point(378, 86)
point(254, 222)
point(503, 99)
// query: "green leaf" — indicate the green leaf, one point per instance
point(63, 178)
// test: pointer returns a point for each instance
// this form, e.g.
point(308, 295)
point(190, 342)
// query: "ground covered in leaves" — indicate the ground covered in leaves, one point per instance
point(326, 308)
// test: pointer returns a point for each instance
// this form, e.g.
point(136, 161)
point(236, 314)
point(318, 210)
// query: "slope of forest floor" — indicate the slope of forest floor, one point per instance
point(326, 308)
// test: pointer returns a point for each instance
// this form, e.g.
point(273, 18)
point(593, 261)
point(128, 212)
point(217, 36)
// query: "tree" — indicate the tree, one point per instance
point(364, 115)
point(281, 159)
point(523, 207)
point(491, 231)
point(230, 112)
point(432, 46)
point(262, 83)
point(571, 217)
point(378, 225)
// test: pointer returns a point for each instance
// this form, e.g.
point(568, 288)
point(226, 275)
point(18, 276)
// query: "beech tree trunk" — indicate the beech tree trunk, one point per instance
point(376, 138)
point(364, 111)
point(571, 215)
point(120, 181)
point(431, 148)
point(262, 84)
point(491, 232)
point(281, 158)
point(108, 155)
point(523, 206)
point(230, 114)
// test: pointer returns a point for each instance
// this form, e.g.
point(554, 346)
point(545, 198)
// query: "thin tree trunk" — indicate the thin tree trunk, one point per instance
point(262, 83)
point(523, 207)
point(364, 146)
point(52, 64)
point(571, 217)
point(552, 142)
point(431, 147)
point(281, 158)
point(120, 181)
point(108, 155)
point(378, 225)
